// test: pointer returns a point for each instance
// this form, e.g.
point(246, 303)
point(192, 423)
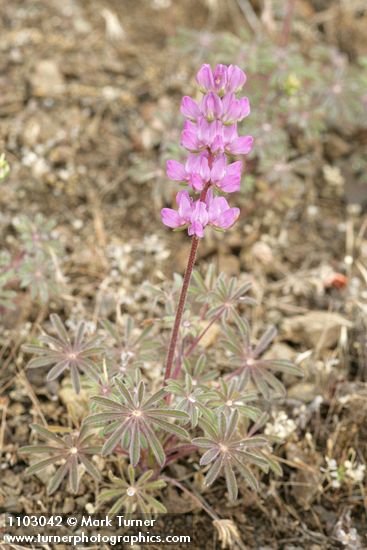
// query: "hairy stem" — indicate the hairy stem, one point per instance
point(181, 307)
point(182, 300)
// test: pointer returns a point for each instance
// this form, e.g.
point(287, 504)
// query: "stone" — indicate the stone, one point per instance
point(315, 329)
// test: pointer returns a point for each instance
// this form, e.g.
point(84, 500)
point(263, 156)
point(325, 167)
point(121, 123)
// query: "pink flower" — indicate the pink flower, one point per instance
point(211, 106)
point(189, 108)
point(205, 78)
point(236, 79)
point(227, 177)
point(223, 80)
point(220, 215)
point(234, 144)
point(220, 79)
point(192, 214)
point(210, 135)
point(196, 215)
point(216, 137)
point(228, 109)
point(234, 110)
point(196, 137)
point(195, 171)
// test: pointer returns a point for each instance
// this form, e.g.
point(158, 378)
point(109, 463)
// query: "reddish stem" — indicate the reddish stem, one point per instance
point(182, 300)
point(180, 307)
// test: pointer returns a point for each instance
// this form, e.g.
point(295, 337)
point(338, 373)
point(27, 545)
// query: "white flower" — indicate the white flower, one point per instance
point(354, 471)
point(282, 426)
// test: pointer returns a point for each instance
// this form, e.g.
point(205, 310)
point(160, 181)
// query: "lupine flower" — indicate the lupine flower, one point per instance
point(209, 134)
point(195, 215)
point(215, 136)
point(234, 110)
point(224, 79)
point(228, 109)
point(220, 215)
point(196, 172)
point(190, 214)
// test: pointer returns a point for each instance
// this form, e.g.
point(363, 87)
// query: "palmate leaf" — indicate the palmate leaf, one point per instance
point(66, 353)
point(227, 451)
point(71, 449)
point(133, 494)
point(128, 346)
point(188, 397)
point(250, 366)
point(130, 419)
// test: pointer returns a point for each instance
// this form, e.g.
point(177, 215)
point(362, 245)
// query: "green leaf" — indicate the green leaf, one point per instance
point(57, 370)
point(100, 419)
point(59, 328)
point(107, 402)
point(74, 477)
point(43, 361)
point(46, 433)
point(43, 464)
point(114, 439)
point(38, 449)
point(134, 445)
point(90, 467)
point(213, 472)
point(203, 442)
point(125, 393)
point(155, 445)
point(171, 428)
point(246, 474)
point(57, 479)
point(231, 482)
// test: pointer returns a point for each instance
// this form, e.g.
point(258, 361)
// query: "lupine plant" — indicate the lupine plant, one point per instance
point(204, 402)
point(34, 265)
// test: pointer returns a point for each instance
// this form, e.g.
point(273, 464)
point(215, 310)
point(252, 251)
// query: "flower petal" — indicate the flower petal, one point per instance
point(175, 170)
point(171, 218)
point(189, 108)
point(241, 145)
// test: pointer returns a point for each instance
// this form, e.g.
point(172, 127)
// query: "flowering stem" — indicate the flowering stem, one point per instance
point(182, 300)
point(180, 307)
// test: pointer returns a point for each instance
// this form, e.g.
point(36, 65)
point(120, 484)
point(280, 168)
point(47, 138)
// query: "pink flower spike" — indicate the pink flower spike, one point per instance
point(205, 79)
point(236, 78)
point(175, 170)
point(232, 180)
point(189, 108)
point(241, 145)
point(211, 106)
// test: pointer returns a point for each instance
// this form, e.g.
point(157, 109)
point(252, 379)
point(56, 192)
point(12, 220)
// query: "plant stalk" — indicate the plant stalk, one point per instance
point(182, 299)
point(181, 307)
